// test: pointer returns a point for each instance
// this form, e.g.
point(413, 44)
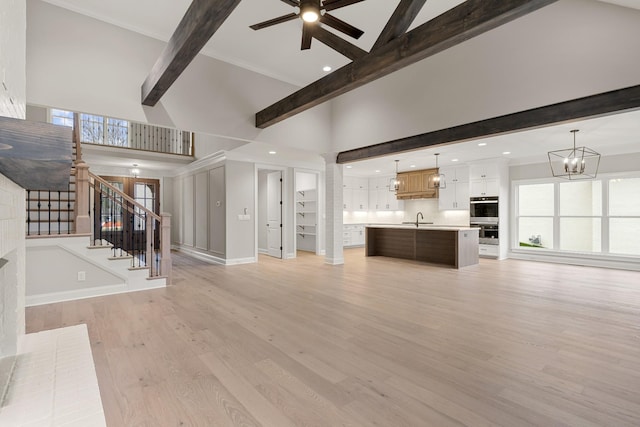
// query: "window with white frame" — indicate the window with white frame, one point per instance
point(62, 117)
point(95, 129)
point(624, 216)
point(600, 216)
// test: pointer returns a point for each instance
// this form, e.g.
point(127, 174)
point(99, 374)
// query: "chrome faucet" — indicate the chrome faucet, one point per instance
point(419, 214)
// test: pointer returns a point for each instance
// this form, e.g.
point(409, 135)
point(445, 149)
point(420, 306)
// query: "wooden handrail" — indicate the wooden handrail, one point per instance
point(125, 197)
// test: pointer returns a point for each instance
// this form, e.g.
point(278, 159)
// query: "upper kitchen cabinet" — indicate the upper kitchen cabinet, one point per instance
point(484, 179)
point(455, 195)
point(415, 185)
point(381, 197)
point(355, 194)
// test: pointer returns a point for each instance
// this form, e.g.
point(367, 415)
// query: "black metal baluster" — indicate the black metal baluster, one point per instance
point(39, 210)
point(132, 237)
point(112, 222)
point(143, 237)
point(121, 224)
point(49, 207)
point(96, 195)
point(28, 212)
point(59, 210)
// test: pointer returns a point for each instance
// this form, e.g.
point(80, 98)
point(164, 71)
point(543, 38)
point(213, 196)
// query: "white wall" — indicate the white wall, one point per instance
point(95, 67)
point(66, 264)
point(240, 180)
point(13, 21)
point(567, 50)
point(12, 197)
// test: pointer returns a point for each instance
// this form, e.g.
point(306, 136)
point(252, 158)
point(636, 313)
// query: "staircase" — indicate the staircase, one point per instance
point(79, 226)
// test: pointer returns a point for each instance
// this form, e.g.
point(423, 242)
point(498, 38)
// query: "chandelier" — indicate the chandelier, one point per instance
point(574, 163)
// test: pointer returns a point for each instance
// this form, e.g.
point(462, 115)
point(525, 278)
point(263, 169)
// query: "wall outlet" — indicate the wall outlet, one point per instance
point(82, 276)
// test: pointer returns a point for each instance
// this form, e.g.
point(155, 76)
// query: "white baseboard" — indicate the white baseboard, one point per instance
point(33, 300)
point(213, 259)
point(291, 255)
point(263, 251)
point(237, 261)
point(334, 261)
point(610, 262)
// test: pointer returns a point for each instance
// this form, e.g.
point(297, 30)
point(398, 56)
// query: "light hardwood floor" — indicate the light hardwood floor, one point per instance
point(377, 341)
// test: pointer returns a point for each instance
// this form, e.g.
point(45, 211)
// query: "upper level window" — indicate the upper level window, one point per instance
point(62, 117)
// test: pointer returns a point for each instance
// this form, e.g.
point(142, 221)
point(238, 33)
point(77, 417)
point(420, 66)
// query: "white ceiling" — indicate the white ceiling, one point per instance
point(275, 52)
point(610, 135)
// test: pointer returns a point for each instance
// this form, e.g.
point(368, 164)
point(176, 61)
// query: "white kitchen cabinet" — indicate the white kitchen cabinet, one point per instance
point(484, 187)
point(380, 198)
point(489, 251)
point(484, 180)
point(353, 235)
point(455, 195)
point(355, 194)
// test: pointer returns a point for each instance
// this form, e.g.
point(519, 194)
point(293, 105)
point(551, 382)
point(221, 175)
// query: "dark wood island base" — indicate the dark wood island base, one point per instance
point(453, 246)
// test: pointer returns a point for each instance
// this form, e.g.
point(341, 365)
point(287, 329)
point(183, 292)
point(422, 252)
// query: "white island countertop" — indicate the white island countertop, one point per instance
point(424, 227)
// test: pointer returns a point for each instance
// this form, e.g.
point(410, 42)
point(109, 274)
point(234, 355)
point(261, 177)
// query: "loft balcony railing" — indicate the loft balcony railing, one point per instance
point(111, 132)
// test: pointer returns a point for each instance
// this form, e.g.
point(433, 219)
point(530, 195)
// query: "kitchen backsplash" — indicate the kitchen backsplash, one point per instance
point(428, 207)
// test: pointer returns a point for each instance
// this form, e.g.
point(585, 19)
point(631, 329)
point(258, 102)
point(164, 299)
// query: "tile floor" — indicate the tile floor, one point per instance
point(54, 382)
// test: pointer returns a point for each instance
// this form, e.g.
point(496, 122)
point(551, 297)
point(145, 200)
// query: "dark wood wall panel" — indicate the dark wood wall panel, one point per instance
point(438, 247)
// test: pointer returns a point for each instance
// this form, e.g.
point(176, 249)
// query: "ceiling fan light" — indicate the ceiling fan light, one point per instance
point(310, 16)
point(310, 10)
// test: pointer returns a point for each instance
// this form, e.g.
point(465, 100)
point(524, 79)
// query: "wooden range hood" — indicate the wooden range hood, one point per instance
point(415, 185)
point(35, 155)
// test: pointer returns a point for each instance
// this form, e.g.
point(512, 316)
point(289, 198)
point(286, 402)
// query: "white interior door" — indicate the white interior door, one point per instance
point(274, 214)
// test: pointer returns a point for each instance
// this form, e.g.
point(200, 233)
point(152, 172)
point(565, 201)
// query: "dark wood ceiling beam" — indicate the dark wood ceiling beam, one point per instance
point(202, 20)
point(453, 27)
point(577, 109)
point(338, 44)
point(400, 21)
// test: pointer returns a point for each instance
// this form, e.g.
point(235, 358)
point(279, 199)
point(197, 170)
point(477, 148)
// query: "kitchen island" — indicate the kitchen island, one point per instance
point(448, 245)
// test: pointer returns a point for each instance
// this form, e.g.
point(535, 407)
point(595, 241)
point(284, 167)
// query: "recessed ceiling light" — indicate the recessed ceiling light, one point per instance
point(377, 170)
point(454, 160)
point(272, 152)
point(482, 144)
point(506, 152)
point(349, 166)
point(412, 166)
point(326, 68)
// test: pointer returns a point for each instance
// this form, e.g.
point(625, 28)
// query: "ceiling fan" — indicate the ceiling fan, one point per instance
point(312, 12)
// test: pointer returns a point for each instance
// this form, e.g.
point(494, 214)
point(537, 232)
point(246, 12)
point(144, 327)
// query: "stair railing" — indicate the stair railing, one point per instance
point(132, 229)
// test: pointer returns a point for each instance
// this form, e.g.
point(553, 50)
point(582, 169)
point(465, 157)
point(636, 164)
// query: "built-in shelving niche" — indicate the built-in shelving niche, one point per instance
point(306, 211)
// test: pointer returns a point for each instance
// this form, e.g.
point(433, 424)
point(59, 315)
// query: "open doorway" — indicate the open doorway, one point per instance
point(270, 212)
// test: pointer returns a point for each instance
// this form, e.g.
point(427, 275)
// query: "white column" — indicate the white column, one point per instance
point(333, 206)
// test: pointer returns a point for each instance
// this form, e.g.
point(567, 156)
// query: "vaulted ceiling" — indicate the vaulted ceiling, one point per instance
point(274, 51)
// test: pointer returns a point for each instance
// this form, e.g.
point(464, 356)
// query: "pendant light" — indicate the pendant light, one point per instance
point(574, 163)
point(437, 180)
point(394, 183)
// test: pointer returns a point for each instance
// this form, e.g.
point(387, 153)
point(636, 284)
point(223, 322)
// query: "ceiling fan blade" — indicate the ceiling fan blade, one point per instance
point(337, 4)
point(274, 21)
point(307, 32)
point(340, 25)
point(291, 3)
